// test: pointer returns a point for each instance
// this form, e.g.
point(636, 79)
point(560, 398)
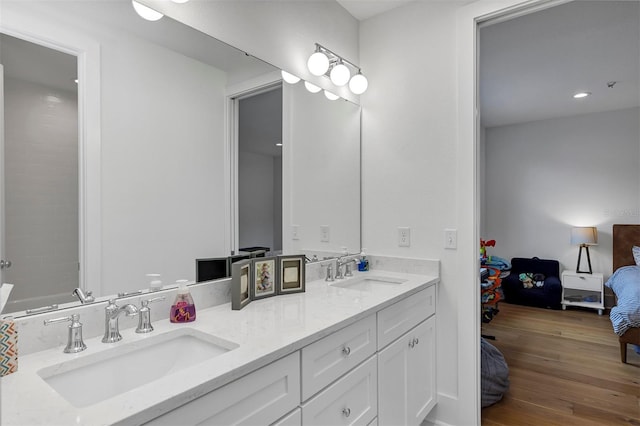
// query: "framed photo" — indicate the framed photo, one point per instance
point(264, 277)
point(291, 274)
point(240, 284)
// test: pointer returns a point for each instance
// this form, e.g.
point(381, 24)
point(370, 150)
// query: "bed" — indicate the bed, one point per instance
point(625, 283)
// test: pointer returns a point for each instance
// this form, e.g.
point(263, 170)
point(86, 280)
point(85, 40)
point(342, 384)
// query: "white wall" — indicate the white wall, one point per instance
point(409, 159)
point(41, 192)
point(544, 177)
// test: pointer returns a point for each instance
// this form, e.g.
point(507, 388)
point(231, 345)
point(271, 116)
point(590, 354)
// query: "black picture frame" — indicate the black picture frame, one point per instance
point(291, 274)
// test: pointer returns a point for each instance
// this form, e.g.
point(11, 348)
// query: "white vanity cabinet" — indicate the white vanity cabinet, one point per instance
point(406, 366)
point(406, 377)
point(261, 397)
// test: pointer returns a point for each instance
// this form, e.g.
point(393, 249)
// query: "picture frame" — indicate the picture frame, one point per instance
point(264, 277)
point(241, 284)
point(291, 274)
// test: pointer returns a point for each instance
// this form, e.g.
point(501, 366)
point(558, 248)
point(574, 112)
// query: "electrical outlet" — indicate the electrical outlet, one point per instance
point(324, 233)
point(450, 239)
point(295, 232)
point(404, 237)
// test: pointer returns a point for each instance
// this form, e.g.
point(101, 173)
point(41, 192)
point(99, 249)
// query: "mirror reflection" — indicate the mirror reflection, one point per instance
point(163, 163)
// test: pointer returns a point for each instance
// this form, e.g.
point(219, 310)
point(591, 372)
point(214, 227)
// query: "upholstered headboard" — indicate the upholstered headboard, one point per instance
point(624, 238)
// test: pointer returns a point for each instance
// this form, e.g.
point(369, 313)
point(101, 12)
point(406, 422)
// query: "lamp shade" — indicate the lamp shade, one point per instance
point(587, 235)
point(146, 12)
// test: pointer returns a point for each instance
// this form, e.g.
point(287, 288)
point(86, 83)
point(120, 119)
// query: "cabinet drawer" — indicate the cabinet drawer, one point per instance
point(401, 317)
point(261, 397)
point(582, 282)
point(352, 400)
point(329, 358)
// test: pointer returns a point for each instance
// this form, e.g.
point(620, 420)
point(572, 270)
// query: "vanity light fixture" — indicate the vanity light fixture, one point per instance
point(581, 95)
point(146, 12)
point(325, 62)
point(311, 87)
point(331, 96)
point(289, 78)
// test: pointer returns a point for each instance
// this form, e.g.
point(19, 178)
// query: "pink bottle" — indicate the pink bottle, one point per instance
point(183, 308)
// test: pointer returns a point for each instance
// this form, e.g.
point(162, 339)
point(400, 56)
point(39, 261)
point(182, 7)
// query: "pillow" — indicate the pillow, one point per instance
point(636, 254)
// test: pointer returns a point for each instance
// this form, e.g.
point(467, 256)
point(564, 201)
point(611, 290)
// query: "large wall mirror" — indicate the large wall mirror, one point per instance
point(165, 158)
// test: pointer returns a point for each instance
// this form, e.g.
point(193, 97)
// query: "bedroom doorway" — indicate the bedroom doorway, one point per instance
point(484, 19)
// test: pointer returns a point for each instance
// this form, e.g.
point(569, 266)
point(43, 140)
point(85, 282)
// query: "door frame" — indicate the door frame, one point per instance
point(468, 21)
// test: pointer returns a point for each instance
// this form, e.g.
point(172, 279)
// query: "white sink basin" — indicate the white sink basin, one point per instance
point(93, 378)
point(367, 283)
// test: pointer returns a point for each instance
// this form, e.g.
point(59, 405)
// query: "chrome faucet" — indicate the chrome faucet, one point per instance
point(329, 276)
point(339, 264)
point(82, 296)
point(75, 343)
point(144, 317)
point(112, 313)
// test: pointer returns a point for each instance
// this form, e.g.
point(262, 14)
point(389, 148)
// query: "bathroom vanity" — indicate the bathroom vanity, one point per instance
point(355, 351)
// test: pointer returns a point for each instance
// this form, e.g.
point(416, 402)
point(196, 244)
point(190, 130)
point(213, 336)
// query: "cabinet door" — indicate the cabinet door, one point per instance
point(406, 377)
point(261, 397)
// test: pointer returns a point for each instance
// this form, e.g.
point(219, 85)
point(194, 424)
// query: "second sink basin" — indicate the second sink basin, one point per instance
point(367, 283)
point(93, 378)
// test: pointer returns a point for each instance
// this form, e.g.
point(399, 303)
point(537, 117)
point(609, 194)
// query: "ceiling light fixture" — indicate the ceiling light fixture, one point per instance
point(325, 62)
point(180, 1)
point(580, 95)
point(146, 12)
point(289, 78)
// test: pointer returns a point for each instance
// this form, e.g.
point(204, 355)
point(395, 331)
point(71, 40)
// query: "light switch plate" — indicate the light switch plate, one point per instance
point(451, 239)
point(295, 232)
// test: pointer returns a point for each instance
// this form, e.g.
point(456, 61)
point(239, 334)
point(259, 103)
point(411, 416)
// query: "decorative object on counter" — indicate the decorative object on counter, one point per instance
point(144, 315)
point(291, 276)
point(75, 343)
point(584, 236)
point(364, 262)
point(264, 277)
point(183, 308)
point(240, 282)
point(8, 346)
point(155, 284)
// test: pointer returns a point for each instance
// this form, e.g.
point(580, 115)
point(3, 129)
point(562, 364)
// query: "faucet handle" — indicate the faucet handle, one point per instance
point(144, 317)
point(75, 343)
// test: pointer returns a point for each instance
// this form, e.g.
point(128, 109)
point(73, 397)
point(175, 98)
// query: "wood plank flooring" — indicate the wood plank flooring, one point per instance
point(564, 369)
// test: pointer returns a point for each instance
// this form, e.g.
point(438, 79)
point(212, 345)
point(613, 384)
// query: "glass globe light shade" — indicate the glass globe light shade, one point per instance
point(146, 12)
point(331, 96)
point(289, 78)
point(358, 84)
point(340, 75)
point(311, 87)
point(318, 63)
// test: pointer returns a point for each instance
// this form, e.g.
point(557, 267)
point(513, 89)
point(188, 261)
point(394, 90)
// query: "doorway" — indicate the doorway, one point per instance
point(40, 155)
point(259, 170)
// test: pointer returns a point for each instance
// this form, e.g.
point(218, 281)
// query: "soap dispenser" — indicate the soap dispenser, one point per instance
point(155, 284)
point(183, 308)
point(364, 262)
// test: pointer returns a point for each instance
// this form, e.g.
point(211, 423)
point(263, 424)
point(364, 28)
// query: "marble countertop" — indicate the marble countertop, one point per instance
point(264, 331)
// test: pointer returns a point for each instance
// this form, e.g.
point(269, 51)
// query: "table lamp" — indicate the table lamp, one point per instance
point(584, 236)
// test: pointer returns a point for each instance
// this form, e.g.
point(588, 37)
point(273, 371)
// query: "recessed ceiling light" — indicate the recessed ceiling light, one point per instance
point(581, 95)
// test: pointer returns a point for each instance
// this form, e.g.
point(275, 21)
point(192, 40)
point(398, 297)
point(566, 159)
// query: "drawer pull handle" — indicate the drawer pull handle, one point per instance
point(412, 343)
point(346, 412)
point(346, 350)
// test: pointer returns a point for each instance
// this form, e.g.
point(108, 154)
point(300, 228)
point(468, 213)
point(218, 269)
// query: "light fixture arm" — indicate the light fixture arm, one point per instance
point(334, 58)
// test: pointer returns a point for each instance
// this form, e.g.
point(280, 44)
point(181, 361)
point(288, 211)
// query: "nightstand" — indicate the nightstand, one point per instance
point(586, 290)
